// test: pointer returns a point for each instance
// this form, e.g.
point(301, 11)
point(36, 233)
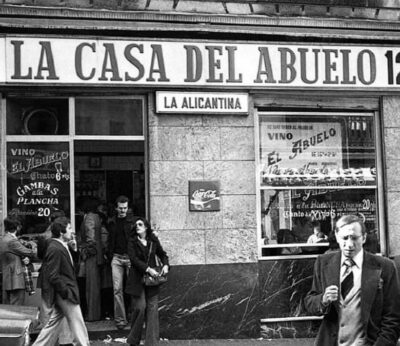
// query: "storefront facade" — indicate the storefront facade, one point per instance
point(233, 132)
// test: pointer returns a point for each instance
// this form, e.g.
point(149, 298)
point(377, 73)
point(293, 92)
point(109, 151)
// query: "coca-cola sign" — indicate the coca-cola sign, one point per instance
point(204, 196)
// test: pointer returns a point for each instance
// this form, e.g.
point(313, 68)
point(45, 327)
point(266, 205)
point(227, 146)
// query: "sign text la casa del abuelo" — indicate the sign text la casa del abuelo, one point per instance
point(206, 63)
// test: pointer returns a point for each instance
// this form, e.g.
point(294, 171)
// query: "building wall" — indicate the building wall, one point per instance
point(213, 288)
point(391, 122)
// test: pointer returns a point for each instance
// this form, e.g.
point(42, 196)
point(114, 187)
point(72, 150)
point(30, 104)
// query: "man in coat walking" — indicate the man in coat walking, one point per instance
point(60, 288)
point(13, 256)
point(357, 292)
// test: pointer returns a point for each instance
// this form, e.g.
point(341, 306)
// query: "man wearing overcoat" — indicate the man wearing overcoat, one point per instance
point(13, 256)
point(357, 293)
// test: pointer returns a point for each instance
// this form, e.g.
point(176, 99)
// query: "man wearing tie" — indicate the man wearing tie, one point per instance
point(357, 292)
point(60, 289)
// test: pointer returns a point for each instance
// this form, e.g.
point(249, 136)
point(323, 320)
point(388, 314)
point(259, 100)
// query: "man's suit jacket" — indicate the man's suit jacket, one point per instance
point(57, 275)
point(380, 299)
point(11, 252)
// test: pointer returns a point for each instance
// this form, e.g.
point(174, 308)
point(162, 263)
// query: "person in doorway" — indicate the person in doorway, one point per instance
point(120, 227)
point(92, 253)
point(143, 248)
point(357, 292)
point(60, 288)
point(14, 256)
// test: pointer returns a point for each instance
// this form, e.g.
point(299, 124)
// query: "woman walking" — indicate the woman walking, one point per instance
point(143, 248)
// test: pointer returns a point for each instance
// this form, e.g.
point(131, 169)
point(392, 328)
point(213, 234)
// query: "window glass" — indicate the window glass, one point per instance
point(116, 117)
point(313, 170)
point(38, 182)
point(28, 116)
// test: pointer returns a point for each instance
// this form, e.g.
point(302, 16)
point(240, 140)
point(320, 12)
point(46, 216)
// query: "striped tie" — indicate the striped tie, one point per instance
point(348, 281)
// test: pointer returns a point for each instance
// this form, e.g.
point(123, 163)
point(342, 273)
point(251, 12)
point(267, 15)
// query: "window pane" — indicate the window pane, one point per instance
point(116, 117)
point(27, 116)
point(38, 178)
point(317, 151)
point(313, 170)
point(309, 216)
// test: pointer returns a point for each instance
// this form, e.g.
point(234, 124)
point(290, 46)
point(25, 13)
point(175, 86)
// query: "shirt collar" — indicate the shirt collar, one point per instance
point(358, 259)
point(14, 235)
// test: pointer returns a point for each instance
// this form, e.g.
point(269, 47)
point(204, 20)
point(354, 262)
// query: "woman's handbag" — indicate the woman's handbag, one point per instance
point(149, 280)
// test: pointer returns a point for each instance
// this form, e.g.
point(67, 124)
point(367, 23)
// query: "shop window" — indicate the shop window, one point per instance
point(108, 116)
point(314, 168)
point(28, 116)
point(38, 182)
point(59, 156)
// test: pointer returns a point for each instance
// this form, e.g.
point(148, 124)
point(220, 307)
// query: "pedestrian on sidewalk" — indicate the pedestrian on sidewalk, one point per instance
point(357, 292)
point(60, 288)
point(144, 248)
point(14, 256)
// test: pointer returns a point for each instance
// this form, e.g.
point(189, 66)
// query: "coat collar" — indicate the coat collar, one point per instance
point(63, 250)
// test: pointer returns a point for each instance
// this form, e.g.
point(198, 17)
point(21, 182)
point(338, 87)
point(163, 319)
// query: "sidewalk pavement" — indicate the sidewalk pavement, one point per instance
point(100, 331)
point(219, 342)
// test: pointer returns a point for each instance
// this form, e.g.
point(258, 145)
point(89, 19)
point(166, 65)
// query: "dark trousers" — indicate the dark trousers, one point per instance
point(144, 308)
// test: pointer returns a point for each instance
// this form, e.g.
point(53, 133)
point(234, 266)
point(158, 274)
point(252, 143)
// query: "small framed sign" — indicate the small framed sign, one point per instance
point(204, 195)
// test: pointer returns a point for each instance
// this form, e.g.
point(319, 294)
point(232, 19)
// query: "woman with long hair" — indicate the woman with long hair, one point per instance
point(143, 248)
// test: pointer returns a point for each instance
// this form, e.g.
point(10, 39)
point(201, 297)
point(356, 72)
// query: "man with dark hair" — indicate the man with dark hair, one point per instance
point(119, 229)
point(357, 292)
point(60, 288)
point(13, 257)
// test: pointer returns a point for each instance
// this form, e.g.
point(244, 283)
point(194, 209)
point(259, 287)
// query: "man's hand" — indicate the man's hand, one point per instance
point(331, 294)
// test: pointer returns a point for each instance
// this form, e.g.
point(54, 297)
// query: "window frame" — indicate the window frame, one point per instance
point(70, 139)
point(379, 187)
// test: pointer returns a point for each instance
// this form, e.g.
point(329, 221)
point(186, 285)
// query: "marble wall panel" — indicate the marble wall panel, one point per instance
point(184, 143)
point(184, 247)
point(237, 143)
point(283, 286)
point(210, 302)
point(236, 177)
point(231, 246)
point(172, 213)
point(392, 143)
point(392, 175)
point(393, 211)
point(391, 113)
point(229, 120)
point(172, 177)
point(239, 211)
point(290, 330)
point(168, 143)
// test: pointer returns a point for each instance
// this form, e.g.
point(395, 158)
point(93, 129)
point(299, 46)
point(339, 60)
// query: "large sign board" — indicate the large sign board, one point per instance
point(61, 60)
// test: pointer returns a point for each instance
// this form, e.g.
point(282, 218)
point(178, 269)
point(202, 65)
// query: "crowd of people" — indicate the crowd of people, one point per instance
point(104, 260)
point(356, 291)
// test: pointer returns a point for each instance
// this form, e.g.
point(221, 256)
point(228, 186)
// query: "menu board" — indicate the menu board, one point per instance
point(38, 181)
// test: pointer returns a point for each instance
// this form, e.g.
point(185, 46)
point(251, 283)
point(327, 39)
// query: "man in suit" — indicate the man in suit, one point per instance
point(60, 288)
point(14, 255)
point(357, 292)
